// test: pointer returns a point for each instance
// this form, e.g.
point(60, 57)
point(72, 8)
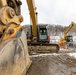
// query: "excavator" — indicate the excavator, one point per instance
point(14, 57)
point(68, 39)
point(39, 39)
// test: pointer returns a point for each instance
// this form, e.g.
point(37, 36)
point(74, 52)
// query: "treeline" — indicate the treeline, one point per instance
point(59, 30)
point(54, 30)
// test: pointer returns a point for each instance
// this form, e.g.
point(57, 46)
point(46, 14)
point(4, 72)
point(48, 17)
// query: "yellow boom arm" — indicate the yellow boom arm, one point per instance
point(63, 40)
point(69, 28)
point(32, 10)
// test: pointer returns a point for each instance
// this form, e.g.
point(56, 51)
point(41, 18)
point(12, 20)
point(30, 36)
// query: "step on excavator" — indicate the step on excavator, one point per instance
point(14, 57)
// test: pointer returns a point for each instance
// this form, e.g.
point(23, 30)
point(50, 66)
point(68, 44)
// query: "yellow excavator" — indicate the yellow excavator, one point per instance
point(68, 39)
point(39, 39)
point(14, 57)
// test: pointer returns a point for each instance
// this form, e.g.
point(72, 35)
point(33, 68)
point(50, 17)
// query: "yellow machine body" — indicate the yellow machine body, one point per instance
point(14, 57)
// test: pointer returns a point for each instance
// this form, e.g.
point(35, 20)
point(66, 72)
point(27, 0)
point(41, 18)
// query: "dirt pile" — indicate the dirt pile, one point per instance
point(52, 64)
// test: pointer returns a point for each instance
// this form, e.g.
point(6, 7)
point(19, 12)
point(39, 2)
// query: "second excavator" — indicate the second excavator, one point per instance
point(67, 39)
point(39, 43)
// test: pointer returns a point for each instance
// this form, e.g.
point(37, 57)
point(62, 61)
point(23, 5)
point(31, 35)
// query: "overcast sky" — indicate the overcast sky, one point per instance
point(61, 12)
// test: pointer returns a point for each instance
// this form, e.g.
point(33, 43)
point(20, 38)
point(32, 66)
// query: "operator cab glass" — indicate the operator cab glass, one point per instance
point(69, 38)
point(43, 34)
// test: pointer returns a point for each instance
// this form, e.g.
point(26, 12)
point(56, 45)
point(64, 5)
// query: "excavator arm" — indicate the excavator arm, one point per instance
point(32, 11)
point(66, 38)
point(68, 29)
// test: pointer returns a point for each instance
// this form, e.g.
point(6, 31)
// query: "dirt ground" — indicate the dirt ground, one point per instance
point(52, 64)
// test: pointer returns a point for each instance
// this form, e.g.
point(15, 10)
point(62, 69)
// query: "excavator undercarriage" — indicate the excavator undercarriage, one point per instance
point(36, 48)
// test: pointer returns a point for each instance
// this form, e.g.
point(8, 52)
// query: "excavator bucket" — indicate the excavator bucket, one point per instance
point(14, 57)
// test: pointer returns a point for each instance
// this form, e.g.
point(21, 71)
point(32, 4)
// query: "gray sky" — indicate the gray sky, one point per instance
point(61, 12)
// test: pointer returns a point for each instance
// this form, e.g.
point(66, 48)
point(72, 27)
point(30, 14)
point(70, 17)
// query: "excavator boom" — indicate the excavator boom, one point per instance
point(32, 10)
point(68, 29)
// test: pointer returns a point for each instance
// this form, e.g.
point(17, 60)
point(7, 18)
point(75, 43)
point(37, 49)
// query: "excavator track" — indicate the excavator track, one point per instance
point(42, 48)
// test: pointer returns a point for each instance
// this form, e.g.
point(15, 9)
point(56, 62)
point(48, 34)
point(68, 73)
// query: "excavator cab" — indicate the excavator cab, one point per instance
point(42, 33)
point(69, 40)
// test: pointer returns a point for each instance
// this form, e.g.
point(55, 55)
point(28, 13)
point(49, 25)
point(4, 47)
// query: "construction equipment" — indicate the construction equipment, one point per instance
point(68, 39)
point(41, 34)
point(43, 42)
point(14, 57)
point(38, 43)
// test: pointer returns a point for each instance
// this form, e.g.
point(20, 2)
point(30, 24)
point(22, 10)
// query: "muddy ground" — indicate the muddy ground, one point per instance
point(52, 64)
